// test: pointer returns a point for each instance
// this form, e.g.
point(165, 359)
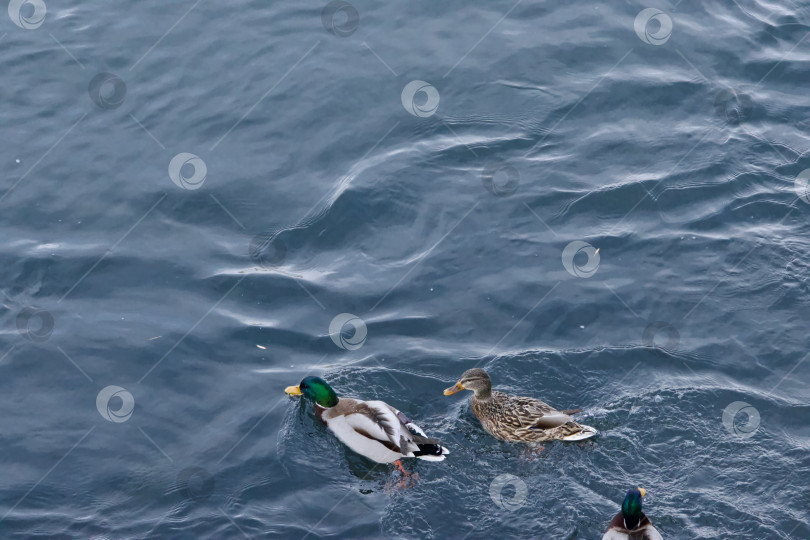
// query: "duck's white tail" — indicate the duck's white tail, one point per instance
point(586, 433)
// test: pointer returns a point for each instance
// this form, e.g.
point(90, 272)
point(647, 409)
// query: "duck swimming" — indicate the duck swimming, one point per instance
point(373, 429)
point(518, 418)
point(631, 523)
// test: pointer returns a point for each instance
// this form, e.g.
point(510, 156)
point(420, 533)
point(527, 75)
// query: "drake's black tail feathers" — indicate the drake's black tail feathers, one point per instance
point(428, 449)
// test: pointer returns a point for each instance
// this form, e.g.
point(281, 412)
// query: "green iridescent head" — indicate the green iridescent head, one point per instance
point(631, 507)
point(316, 389)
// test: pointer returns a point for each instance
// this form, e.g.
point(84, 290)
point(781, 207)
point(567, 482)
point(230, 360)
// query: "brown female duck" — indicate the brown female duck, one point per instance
point(518, 418)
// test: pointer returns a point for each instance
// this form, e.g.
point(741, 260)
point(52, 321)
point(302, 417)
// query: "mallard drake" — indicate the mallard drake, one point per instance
point(518, 418)
point(631, 523)
point(373, 429)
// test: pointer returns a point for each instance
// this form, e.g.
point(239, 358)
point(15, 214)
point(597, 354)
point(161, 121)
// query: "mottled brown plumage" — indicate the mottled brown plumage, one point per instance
point(518, 418)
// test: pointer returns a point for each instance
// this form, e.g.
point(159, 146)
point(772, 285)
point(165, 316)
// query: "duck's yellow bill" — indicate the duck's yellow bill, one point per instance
point(293, 391)
point(643, 492)
point(453, 389)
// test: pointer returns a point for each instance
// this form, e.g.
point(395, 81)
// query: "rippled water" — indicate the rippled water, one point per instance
point(193, 192)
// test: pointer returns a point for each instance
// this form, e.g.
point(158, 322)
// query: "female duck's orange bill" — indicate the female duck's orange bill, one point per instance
point(453, 389)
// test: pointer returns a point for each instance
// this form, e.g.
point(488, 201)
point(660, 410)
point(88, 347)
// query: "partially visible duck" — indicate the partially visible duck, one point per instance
point(631, 523)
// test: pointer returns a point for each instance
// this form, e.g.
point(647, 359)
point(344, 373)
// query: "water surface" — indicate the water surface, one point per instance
point(201, 285)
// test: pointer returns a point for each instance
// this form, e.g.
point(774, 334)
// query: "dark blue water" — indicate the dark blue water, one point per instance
point(193, 192)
